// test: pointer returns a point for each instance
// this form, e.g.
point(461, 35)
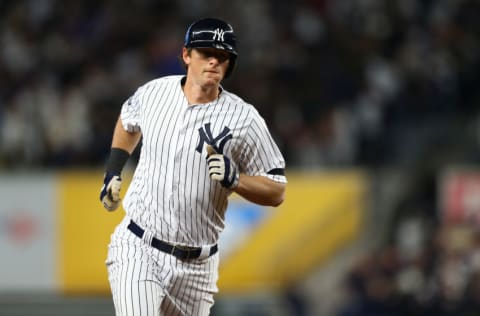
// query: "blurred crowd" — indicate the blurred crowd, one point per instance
point(436, 275)
point(428, 261)
point(340, 83)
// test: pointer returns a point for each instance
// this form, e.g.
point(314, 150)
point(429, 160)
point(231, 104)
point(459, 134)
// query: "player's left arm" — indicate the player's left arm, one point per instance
point(257, 189)
point(260, 190)
point(258, 172)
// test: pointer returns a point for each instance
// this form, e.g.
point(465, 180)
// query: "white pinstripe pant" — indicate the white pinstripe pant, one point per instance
point(145, 281)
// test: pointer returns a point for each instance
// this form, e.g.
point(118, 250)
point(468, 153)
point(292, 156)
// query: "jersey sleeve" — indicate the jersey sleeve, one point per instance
point(261, 156)
point(131, 112)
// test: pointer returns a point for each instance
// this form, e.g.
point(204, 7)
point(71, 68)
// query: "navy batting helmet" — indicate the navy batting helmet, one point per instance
point(213, 33)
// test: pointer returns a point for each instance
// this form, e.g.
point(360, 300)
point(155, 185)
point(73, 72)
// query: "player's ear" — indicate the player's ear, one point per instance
point(186, 55)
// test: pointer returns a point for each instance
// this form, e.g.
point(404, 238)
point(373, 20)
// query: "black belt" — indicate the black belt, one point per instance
point(181, 252)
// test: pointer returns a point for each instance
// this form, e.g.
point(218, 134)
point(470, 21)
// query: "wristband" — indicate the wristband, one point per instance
point(117, 160)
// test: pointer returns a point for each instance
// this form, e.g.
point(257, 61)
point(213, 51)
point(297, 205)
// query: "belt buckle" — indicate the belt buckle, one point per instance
point(185, 249)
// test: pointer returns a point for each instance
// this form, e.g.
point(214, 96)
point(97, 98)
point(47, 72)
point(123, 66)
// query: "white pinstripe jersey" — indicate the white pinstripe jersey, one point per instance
point(171, 193)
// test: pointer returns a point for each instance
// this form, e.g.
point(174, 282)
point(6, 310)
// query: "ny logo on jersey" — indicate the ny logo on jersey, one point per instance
point(218, 35)
point(217, 142)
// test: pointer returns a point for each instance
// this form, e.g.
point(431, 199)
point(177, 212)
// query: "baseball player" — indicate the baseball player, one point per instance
point(200, 143)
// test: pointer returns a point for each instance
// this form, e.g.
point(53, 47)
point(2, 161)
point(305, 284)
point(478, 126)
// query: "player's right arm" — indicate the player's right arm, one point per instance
point(125, 140)
point(123, 144)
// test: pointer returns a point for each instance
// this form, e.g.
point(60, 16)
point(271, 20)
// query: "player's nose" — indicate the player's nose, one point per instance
point(214, 60)
point(218, 58)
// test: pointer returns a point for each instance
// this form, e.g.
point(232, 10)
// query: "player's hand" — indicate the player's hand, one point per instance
point(110, 193)
point(221, 169)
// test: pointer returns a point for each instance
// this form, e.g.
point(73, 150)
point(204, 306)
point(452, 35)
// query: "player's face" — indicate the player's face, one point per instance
point(207, 65)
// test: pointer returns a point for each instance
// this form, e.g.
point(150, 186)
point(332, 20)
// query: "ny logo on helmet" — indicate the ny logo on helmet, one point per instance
point(218, 142)
point(218, 35)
